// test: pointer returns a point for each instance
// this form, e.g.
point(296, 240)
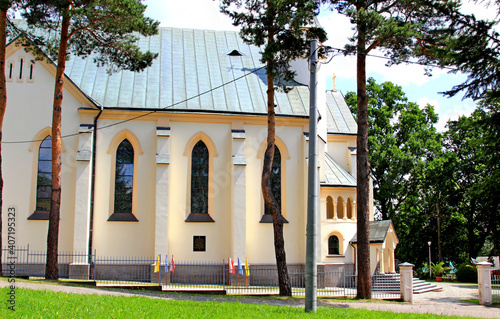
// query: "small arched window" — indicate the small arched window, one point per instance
point(124, 178)
point(44, 175)
point(199, 179)
point(329, 207)
point(333, 245)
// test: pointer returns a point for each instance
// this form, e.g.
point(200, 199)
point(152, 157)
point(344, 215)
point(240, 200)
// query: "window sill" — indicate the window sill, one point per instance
point(39, 215)
point(122, 217)
point(335, 256)
point(199, 218)
point(268, 219)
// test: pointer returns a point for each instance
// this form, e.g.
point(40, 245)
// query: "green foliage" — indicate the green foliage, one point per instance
point(402, 141)
point(102, 29)
point(466, 273)
point(283, 29)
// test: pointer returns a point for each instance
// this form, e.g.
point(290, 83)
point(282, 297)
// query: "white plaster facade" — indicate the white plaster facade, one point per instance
point(163, 142)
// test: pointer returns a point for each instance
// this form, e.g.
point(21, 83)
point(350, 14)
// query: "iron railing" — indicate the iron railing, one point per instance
point(495, 288)
point(332, 281)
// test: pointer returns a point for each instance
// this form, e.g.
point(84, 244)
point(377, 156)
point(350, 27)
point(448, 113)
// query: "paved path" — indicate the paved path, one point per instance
point(446, 302)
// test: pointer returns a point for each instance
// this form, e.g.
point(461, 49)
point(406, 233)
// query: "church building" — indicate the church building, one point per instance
point(169, 160)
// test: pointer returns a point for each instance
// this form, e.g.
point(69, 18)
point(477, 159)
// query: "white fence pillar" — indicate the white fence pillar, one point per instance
point(406, 271)
point(484, 283)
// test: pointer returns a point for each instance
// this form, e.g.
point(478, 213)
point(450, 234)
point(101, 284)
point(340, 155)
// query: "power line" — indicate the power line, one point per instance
point(150, 112)
point(386, 58)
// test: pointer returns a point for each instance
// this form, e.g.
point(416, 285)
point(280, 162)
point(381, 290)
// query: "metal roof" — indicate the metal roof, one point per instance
point(340, 119)
point(335, 175)
point(193, 72)
point(378, 231)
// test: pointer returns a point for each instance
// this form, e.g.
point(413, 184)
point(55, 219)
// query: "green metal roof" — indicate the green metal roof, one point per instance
point(193, 72)
point(378, 231)
point(340, 119)
point(335, 175)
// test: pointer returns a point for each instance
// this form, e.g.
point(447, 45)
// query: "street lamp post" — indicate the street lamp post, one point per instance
point(430, 269)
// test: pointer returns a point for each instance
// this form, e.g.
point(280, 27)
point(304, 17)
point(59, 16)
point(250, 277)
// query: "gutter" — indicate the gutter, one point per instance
point(92, 185)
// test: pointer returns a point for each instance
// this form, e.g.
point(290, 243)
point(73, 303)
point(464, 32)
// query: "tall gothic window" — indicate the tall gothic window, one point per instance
point(124, 177)
point(199, 179)
point(44, 175)
point(275, 179)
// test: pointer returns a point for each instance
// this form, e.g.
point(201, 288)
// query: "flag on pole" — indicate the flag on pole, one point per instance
point(166, 263)
point(231, 265)
point(247, 269)
point(157, 264)
point(240, 267)
point(172, 266)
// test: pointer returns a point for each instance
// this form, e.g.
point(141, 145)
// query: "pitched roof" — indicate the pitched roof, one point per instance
point(378, 231)
point(193, 72)
point(340, 119)
point(335, 175)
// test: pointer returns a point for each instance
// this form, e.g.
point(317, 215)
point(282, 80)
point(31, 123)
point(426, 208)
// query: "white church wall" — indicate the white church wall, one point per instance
point(29, 116)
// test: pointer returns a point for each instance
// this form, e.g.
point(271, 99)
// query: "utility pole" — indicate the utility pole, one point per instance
point(312, 188)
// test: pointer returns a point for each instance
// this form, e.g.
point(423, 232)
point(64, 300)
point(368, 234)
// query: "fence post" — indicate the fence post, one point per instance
point(484, 283)
point(406, 271)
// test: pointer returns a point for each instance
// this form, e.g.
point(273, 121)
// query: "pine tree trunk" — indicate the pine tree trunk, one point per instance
point(3, 106)
point(51, 270)
point(269, 199)
point(363, 171)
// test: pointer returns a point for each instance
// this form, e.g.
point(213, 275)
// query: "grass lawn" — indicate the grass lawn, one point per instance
point(48, 304)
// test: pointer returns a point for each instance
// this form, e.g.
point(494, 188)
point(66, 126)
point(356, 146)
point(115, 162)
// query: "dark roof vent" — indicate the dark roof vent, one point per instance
point(235, 53)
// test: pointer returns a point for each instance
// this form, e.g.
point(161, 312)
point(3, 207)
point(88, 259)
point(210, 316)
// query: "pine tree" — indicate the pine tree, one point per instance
point(279, 28)
point(84, 27)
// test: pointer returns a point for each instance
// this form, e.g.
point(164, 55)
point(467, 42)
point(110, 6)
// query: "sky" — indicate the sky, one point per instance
point(420, 88)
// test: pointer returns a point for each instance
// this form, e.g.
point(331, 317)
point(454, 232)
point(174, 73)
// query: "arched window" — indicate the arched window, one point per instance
point(333, 245)
point(124, 178)
point(340, 207)
point(329, 207)
point(275, 179)
point(349, 208)
point(44, 176)
point(199, 179)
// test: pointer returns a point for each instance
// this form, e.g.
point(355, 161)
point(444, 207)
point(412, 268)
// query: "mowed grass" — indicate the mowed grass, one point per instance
point(49, 304)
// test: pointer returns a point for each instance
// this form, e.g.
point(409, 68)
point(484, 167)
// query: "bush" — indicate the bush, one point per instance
point(467, 273)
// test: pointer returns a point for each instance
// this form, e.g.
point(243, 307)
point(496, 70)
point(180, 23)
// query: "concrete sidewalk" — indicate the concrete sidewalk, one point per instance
point(446, 302)
point(449, 302)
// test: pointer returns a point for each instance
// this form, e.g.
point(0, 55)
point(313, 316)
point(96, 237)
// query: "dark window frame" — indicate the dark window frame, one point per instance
point(124, 183)
point(332, 249)
point(200, 184)
point(43, 181)
point(276, 182)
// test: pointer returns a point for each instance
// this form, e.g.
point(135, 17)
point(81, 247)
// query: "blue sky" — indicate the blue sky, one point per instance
point(204, 14)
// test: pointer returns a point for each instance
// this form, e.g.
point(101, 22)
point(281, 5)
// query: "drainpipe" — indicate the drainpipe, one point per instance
point(355, 256)
point(92, 185)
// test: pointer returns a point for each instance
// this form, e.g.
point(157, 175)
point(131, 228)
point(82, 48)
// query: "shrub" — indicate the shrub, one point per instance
point(467, 273)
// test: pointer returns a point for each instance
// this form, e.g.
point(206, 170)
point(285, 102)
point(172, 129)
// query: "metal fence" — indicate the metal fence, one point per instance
point(332, 280)
point(23, 262)
point(495, 288)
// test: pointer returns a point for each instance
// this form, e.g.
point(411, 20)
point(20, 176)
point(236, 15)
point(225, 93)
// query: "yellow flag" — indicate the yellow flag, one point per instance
point(247, 270)
point(157, 264)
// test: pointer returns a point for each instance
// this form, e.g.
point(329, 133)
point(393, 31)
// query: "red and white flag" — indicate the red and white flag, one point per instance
point(172, 266)
point(231, 266)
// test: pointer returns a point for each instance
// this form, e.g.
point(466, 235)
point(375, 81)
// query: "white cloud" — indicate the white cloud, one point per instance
point(195, 14)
